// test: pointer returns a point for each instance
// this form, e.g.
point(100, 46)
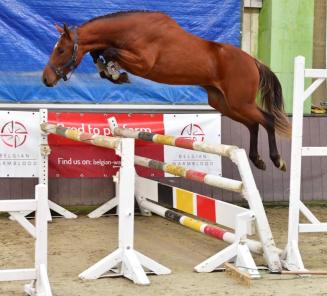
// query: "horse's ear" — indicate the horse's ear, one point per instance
point(66, 30)
point(59, 29)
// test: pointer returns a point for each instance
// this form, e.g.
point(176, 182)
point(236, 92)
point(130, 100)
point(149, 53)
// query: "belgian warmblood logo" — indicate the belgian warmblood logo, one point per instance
point(194, 132)
point(13, 134)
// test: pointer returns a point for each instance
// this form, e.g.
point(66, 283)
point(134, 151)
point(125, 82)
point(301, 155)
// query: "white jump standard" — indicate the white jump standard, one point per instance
point(40, 285)
point(125, 261)
point(131, 261)
point(293, 259)
point(246, 186)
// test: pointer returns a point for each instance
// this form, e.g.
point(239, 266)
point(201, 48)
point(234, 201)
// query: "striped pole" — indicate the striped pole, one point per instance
point(75, 135)
point(197, 225)
point(180, 171)
point(181, 142)
point(113, 143)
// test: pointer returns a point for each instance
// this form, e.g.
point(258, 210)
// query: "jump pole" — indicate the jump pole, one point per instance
point(160, 198)
point(248, 190)
point(176, 170)
point(181, 142)
point(145, 197)
point(232, 252)
point(125, 261)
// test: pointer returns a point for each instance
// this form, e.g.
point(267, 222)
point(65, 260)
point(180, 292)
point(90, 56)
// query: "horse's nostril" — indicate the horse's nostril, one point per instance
point(45, 81)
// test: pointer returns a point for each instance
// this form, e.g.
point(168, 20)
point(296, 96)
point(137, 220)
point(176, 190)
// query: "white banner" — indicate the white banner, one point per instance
point(19, 144)
point(200, 127)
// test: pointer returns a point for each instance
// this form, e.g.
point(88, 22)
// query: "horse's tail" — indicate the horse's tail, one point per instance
point(272, 99)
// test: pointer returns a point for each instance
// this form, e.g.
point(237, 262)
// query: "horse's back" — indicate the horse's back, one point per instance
point(237, 65)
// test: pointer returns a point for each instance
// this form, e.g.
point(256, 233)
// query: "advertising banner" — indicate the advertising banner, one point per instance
point(74, 159)
point(19, 144)
point(20, 138)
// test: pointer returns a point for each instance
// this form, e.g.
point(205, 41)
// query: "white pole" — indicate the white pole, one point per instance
point(40, 284)
point(252, 195)
point(125, 193)
point(296, 151)
point(41, 226)
point(293, 260)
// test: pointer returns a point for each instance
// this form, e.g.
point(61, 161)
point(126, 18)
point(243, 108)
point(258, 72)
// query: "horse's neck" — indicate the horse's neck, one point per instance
point(99, 35)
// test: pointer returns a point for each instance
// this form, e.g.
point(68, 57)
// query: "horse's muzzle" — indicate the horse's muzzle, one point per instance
point(46, 83)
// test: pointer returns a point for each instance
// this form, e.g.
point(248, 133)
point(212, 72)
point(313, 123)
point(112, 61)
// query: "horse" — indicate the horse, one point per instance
point(152, 45)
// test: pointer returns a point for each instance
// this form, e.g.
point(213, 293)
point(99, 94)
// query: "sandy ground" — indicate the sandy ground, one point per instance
point(74, 245)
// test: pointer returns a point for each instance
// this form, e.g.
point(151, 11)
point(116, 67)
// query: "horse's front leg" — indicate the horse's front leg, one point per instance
point(103, 62)
point(137, 63)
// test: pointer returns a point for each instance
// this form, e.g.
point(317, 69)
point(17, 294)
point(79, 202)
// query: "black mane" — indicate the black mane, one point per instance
point(119, 13)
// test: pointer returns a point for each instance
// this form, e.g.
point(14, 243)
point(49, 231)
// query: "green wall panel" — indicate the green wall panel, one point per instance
point(285, 31)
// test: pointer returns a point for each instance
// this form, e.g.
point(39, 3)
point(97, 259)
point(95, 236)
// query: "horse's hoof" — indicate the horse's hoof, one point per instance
point(260, 164)
point(103, 75)
point(282, 165)
point(124, 78)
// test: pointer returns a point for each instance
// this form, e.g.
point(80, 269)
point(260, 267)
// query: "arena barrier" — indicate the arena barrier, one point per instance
point(125, 261)
point(293, 259)
point(246, 187)
point(40, 285)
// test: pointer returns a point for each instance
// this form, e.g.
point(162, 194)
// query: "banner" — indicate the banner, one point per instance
point(19, 144)
point(75, 159)
point(20, 139)
point(28, 35)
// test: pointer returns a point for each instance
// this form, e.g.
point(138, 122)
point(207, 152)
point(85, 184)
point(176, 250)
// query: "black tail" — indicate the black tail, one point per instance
point(272, 99)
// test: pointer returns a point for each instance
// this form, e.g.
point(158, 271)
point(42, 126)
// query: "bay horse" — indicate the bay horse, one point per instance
point(153, 46)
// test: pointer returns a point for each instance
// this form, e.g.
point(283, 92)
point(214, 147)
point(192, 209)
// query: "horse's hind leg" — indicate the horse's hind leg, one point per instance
point(267, 121)
point(217, 101)
point(253, 154)
point(273, 151)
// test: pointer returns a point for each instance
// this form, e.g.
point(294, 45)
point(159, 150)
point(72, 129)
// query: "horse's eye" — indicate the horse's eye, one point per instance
point(60, 50)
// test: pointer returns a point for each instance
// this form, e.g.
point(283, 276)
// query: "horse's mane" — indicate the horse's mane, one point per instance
point(119, 13)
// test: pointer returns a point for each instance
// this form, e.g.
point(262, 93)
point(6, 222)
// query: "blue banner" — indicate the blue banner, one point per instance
point(28, 35)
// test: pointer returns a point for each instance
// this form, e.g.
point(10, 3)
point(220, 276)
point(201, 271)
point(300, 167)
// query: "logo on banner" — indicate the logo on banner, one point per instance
point(13, 134)
point(194, 132)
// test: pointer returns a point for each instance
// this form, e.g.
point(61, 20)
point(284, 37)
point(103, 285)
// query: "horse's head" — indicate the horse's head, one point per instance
point(64, 58)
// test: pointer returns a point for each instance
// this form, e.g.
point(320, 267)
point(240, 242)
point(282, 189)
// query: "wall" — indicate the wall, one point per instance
point(285, 31)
